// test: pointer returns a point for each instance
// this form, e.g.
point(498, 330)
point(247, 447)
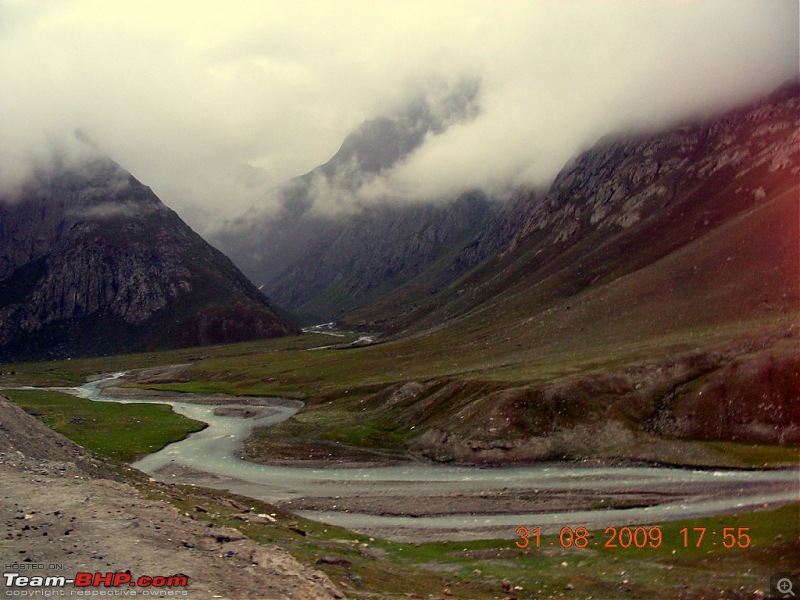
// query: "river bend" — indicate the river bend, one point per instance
point(357, 498)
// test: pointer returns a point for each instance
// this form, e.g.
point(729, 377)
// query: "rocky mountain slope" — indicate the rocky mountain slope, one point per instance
point(324, 251)
point(699, 221)
point(654, 291)
point(370, 253)
point(628, 202)
point(91, 262)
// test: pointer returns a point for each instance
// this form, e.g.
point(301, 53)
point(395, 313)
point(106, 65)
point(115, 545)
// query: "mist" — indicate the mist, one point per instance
point(214, 104)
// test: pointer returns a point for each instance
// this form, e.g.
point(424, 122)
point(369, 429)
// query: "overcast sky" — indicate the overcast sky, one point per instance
point(213, 103)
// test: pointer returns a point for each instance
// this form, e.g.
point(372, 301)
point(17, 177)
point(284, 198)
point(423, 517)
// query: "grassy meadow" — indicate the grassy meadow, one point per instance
point(356, 396)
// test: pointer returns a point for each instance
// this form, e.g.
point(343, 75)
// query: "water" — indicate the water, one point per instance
point(211, 456)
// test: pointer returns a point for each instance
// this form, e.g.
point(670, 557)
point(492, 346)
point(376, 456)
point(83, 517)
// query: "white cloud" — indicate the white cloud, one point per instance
point(188, 96)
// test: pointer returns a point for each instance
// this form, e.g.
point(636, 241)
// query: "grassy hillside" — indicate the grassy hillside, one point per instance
point(482, 397)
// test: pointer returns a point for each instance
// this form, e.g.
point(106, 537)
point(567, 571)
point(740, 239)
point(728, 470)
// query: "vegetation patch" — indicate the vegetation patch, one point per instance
point(756, 455)
point(122, 432)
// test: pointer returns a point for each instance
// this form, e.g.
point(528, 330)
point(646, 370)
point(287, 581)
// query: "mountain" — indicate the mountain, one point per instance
point(618, 209)
point(621, 211)
point(91, 262)
point(696, 224)
point(324, 252)
point(362, 258)
point(650, 297)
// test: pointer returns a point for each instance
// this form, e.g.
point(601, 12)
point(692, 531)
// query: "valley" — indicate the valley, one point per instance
point(617, 349)
point(400, 300)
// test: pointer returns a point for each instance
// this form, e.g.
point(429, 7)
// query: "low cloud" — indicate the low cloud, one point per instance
point(107, 210)
point(213, 104)
point(24, 166)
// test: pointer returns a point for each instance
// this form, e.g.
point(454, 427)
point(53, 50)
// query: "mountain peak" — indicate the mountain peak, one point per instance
point(91, 262)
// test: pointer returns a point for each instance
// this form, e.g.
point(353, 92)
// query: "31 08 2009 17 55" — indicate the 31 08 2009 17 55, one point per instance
point(636, 537)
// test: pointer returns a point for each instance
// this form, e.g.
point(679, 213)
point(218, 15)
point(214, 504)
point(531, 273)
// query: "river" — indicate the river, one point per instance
point(358, 498)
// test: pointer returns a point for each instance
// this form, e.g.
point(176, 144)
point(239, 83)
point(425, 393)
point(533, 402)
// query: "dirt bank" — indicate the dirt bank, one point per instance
point(59, 506)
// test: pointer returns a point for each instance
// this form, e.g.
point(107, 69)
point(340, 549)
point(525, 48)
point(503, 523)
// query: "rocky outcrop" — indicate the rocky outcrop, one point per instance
point(92, 262)
point(623, 181)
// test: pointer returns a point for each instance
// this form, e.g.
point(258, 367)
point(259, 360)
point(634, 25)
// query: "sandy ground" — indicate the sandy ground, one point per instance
point(516, 501)
point(58, 508)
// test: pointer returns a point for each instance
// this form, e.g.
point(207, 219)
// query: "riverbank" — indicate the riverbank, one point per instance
point(485, 568)
point(425, 501)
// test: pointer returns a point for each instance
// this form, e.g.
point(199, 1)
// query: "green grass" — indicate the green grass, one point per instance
point(756, 455)
point(666, 571)
point(474, 354)
point(121, 432)
point(348, 388)
point(366, 435)
point(284, 366)
point(70, 372)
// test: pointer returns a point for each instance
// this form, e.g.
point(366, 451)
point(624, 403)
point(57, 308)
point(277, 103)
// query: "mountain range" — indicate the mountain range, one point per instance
point(643, 234)
point(325, 251)
point(631, 203)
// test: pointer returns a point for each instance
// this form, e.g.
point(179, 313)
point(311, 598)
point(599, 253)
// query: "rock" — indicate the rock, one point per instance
point(334, 560)
point(355, 579)
point(225, 538)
